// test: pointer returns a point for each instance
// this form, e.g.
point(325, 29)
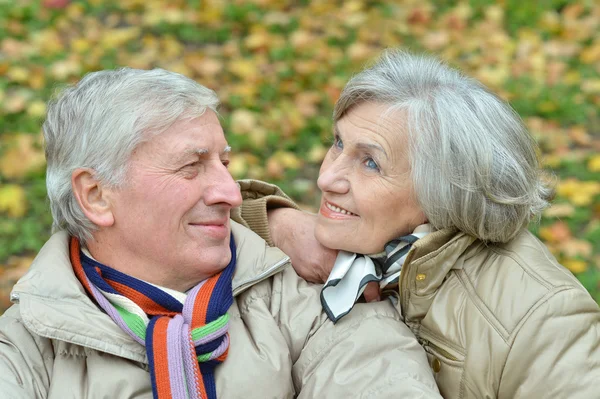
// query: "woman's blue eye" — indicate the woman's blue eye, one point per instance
point(369, 163)
point(338, 142)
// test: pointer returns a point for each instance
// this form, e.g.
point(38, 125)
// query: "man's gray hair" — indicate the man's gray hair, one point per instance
point(474, 165)
point(97, 124)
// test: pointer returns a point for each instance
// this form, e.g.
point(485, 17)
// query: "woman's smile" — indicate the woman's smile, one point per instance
point(333, 211)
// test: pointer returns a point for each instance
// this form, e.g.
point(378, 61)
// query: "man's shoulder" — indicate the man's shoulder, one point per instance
point(255, 260)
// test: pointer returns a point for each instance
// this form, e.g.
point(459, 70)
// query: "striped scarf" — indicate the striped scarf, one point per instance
point(184, 341)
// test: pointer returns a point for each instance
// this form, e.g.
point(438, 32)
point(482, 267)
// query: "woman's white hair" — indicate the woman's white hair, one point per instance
point(98, 123)
point(474, 166)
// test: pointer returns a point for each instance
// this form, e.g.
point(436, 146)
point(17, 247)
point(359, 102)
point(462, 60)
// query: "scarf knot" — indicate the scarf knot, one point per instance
point(184, 340)
point(352, 272)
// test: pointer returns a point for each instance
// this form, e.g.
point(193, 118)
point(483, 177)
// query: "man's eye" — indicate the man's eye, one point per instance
point(225, 163)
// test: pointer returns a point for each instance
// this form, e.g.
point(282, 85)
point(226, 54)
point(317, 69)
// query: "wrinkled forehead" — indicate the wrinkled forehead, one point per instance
point(378, 119)
point(191, 136)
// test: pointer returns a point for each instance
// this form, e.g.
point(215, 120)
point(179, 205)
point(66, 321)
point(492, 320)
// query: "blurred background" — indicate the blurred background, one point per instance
point(278, 67)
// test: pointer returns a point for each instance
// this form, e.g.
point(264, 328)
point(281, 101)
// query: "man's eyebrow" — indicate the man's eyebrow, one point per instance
point(188, 153)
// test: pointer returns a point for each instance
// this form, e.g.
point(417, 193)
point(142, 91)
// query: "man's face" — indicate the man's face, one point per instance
point(173, 211)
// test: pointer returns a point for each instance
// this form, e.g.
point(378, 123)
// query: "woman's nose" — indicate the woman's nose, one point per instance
point(333, 176)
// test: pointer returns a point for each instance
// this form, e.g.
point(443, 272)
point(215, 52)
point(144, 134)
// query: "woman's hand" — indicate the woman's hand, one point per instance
point(293, 232)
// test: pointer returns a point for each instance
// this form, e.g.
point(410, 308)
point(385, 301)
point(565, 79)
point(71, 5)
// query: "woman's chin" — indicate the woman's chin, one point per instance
point(334, 240)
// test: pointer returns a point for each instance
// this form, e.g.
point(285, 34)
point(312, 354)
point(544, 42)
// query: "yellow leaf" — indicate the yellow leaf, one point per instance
point(317, 154)
point(575, 266)
point(115, 38)
point(559, 210)
point(258, 137)
point(22, 155)
point(257, 40)
point(37, 109)
point(591, 86)
point(581, 199)
point(242, 121)
point(65, 68)
point(12, 200)
point(594, 164)
point(572, 78)
point(238, 166)
point(574, 247)
point(18, 74)
point(244, 69)
point(551, 161)
point(301, 39)
point(288, 159)
point(547, 106)
point(80, 45)
point(359, 51)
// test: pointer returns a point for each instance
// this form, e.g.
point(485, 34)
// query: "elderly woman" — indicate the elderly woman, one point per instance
point(437, 179)
point(148, 289)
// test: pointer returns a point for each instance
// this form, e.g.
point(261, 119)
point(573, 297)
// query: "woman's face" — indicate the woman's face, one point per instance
point(365, 179)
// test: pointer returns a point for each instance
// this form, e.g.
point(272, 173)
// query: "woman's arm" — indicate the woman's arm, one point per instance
point(270, 213)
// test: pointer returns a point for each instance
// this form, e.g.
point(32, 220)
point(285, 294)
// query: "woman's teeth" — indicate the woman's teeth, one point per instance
point(339, 210)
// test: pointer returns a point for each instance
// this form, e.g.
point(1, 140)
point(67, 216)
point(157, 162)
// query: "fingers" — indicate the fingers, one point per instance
point(371, 292)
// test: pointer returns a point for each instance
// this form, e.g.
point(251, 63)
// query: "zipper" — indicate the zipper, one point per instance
point(456, 356)
point(404, 292)
point(276, 268)
point(443, 352)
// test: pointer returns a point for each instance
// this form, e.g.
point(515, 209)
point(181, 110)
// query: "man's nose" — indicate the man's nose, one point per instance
point(223, 190)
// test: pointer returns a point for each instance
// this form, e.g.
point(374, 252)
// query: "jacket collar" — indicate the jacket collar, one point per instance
point(53, 304)
point(428, 263)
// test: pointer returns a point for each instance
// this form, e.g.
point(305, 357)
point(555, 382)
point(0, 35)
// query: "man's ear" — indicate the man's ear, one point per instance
point(93, 197)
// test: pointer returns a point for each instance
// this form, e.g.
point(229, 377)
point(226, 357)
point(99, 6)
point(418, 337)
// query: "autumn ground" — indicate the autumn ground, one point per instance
point(278, 66)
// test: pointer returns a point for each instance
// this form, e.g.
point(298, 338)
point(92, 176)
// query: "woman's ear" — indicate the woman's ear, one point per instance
point(93, 197)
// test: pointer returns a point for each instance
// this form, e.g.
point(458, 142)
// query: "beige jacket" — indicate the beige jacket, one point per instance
point(55, 343)
point(497, 321)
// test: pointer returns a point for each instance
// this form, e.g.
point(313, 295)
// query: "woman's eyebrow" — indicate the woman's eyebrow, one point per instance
point(363, 146)
point(371, 146)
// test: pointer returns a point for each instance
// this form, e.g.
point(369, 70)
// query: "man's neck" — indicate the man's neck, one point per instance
point(132, 265)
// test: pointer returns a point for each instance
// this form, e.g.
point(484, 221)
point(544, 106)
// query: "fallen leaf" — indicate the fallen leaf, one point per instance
point(576, 248)
point(594, 163)
point(559, 210)
point(22, 154)
point(242, 121)
point(12, 200)
point(556, 232)
point(575, 266)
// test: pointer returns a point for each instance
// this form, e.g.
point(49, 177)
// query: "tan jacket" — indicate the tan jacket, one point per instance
point(497, 321)
point(55, 343)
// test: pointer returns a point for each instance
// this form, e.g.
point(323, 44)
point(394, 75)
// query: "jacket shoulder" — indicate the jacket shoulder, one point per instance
point(25, 358)
point(508, 281)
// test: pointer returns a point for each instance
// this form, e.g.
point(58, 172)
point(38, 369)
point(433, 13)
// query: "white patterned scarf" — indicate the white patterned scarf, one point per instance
point(352, 272)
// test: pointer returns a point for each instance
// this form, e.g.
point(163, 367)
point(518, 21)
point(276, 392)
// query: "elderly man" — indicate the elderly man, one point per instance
point(147, 288)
